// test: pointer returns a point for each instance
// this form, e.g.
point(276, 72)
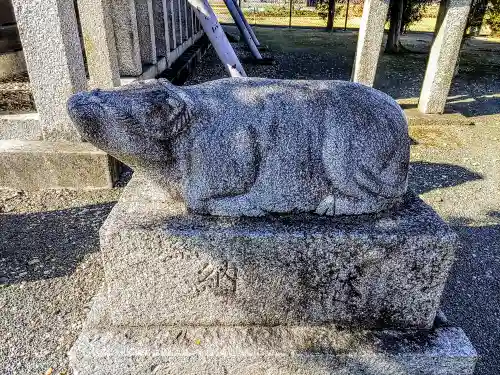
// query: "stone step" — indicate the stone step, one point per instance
point(103, 348)
point(25, 126)
point(34, 165)
point(15, 91)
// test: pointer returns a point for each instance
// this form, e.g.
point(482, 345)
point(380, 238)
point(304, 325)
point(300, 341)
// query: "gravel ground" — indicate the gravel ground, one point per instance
point(49, 251)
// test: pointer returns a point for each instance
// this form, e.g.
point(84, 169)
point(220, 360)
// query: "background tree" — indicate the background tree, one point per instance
point(402, 13)
point(493, 16)
point(396, 9)
point(413, 12)
point(326, 10)
point(476, 16)
point(331, 15)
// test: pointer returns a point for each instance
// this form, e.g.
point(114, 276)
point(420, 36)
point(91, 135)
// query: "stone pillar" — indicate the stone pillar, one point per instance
point(161, 27)
point(247, 25)
point(443, 5)
point(371, 34)
point(99, 41)
point(49, 34)
point(443, 57)
point(127, 37)
point(172, 23)
point(186, 19)
point(180, 34)
point(146, 30)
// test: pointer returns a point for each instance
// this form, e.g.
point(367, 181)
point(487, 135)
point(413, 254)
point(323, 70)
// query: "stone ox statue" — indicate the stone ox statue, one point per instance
point(251, 146)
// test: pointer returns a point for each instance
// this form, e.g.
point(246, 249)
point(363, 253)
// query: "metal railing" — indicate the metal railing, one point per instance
point(304, 13)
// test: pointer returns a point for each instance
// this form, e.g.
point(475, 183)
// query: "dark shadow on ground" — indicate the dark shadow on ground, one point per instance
point(471, 298)
point(50, 244)
point(425, 176)
point(474, 106)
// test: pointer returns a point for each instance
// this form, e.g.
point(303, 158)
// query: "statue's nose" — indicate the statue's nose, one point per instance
point(82, 100)
point(84, 108)
point(83, 105)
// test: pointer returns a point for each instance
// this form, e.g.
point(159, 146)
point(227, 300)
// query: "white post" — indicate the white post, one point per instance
point(49, 34)
point(215, 33)
point(443, 57)
point(243, 30)
point(99, 40)
point(247, 25)
point(371, 34)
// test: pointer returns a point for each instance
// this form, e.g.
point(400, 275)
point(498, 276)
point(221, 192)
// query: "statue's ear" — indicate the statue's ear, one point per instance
point(160, 115)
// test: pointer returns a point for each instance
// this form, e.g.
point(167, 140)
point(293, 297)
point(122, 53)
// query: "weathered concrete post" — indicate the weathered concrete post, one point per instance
point(161, 27)
point(146, 30)
point(99, 41)
point(171, 19)
point(51, 45)
point(371, 34)
point(443, 57)
point(127, 37)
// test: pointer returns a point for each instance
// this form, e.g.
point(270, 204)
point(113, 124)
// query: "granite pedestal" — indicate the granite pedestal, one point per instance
point(298, 294)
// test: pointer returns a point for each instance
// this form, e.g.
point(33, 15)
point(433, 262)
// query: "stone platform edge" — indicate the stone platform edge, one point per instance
point(103, 348)
point(34, 165)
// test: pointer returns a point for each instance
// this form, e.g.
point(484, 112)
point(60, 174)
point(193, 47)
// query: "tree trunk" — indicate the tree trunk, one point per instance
point(476, 16)
point(403, 22)
point(331, 15)
point(396, 10)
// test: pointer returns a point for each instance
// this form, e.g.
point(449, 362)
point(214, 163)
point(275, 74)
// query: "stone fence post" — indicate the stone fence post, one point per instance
point(52, 49)
point(443, 57)
point(146, 31)
point(124, 18)
point(99, 41)
point(371, 34)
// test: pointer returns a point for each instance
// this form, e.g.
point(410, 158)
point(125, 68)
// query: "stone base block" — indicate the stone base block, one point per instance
point(22, 126)
point(165, 266)
point(34, 165)
point(257, 350)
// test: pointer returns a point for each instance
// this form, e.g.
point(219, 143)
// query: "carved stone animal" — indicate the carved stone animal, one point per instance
point(251, 146)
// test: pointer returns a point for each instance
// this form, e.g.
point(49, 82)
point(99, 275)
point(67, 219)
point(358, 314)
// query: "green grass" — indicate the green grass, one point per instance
point(281, 18)
point(254, 18)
